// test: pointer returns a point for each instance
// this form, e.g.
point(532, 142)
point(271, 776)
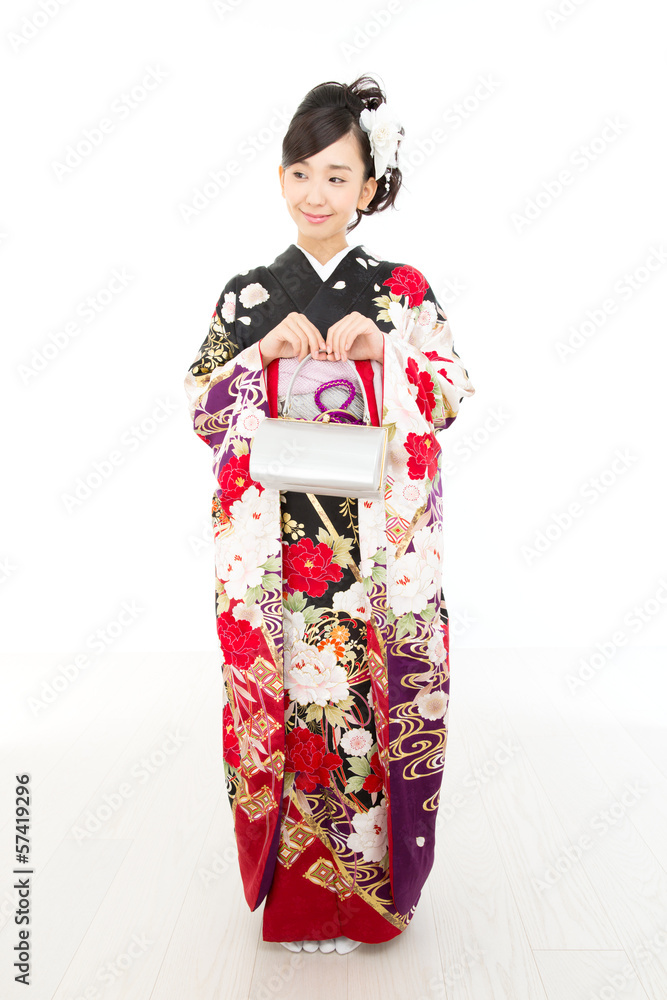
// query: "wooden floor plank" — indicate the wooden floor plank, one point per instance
point(484, 950)
point(213, 947)
point(147, 894)
point(570, 975)
point(526, 826)
point(601, 838)
point(151, 907)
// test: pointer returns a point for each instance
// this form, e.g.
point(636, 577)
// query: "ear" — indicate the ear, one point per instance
point(367, 193)
point(281, 175)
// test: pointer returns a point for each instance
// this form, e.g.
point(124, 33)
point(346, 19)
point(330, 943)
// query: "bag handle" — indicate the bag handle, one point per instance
point(288, 397)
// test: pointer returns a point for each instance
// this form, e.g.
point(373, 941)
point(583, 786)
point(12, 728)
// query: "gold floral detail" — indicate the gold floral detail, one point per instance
point(218, 348)
point(295, 529)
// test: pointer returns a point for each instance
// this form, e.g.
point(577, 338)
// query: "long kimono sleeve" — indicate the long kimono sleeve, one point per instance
point(423, 339)
point(209, 377)
point(219, 347)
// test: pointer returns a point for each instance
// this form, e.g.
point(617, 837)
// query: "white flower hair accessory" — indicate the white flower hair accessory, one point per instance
point(384, 132)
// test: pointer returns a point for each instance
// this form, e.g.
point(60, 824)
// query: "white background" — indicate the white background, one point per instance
point(538, 429)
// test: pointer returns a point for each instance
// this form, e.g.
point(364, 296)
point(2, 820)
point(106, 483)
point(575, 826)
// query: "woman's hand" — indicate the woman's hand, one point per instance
point(356, 337)
point(293, 337)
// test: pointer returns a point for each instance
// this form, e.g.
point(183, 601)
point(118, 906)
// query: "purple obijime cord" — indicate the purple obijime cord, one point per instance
point(336, 418)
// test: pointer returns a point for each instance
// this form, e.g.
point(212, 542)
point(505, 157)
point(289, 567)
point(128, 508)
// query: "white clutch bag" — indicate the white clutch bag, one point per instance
point(326, 455)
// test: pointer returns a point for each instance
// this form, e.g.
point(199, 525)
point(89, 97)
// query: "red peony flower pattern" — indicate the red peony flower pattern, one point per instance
point(445, 633)
point(374, 781)
point(234, 479)
point(410, 282)
point(309, 568)
point(230, 741)
point(307, 756)
point(425, 391)
point(434, 356)
point(239, 641)
point(423, 450)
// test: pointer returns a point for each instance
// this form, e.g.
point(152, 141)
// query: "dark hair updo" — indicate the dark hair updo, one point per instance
point(327, 113)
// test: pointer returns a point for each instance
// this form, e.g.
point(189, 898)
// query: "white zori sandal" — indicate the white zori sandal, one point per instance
point(342, 945)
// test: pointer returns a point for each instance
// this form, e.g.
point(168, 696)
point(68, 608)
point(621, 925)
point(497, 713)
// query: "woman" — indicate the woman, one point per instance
point(330, 615)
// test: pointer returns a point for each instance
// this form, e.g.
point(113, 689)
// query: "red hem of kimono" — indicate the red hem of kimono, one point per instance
point(298, 909)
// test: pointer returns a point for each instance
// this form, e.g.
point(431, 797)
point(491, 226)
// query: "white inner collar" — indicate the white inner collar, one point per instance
point(324, 270)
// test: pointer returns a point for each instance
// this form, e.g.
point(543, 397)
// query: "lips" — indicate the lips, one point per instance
point(316, 218)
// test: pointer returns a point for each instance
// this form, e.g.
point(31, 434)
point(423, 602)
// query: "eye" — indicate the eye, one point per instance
point(297, 173)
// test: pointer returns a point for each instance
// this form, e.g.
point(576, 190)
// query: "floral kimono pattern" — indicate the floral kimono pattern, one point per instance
point(330, 615)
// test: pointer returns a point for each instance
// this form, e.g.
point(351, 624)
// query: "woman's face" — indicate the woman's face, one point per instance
point(329, 187)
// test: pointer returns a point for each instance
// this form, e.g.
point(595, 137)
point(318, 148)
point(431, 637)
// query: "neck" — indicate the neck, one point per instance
point(322, 250)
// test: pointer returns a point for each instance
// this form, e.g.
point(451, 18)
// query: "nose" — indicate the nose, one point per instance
point(315, 196)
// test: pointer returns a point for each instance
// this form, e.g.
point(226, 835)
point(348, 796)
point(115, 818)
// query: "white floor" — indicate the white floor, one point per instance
point(550, 878)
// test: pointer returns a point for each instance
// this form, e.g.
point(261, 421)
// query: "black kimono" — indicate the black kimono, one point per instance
point(331, 620)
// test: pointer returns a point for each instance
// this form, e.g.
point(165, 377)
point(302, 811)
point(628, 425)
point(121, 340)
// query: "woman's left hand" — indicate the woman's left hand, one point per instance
point(356, 337)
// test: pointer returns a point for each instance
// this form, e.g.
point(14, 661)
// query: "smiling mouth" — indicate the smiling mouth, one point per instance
point(314, 215)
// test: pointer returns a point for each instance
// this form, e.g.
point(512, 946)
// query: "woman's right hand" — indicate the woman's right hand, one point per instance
point(294, 336)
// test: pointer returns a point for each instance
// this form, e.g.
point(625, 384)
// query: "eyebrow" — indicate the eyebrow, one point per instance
point(331, 166)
